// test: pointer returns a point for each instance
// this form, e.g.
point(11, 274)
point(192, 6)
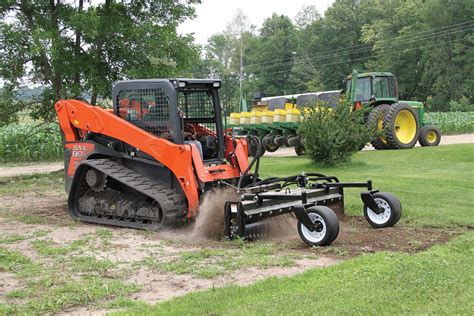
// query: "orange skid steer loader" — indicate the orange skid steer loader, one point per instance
point(148, 162)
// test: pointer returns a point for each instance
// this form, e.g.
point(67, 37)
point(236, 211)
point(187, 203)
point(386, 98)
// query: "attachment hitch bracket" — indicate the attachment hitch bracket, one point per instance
point(302, 215)
point(368, 200)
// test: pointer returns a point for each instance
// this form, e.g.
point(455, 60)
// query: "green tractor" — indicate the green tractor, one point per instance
point(403, 122)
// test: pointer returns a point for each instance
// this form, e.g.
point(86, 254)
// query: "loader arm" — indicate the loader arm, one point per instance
point(76, 115)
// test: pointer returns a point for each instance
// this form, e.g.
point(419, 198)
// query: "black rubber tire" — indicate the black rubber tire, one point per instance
point(378, 112)
point(270, 147)
point(330, 221)
point(253, 150)
point(394, 205)
point(390, 128)
point(425, 131)
point(300, 150)
point(287, 144)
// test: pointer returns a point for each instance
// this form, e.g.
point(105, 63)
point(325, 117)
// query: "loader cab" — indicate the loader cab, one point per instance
point(178, 110)
point(372, 88)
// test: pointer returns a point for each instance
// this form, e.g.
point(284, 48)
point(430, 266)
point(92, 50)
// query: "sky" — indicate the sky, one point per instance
point(214, 15)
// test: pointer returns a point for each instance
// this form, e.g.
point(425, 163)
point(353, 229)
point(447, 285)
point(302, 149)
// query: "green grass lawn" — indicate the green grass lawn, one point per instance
point(439, 281)
point(435, 186)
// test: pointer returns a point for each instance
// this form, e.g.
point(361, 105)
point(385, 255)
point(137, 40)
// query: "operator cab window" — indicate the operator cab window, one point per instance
point(363, 92)
point(199, 120)
point(148, 109)
point(384, 87)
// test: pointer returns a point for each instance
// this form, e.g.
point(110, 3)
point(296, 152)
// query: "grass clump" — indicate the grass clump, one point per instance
point(89, 264)
point(17, 263)
point(37, 183)
point(210, 263)
point(52, 295)
point(12, 238)
point(47, 247)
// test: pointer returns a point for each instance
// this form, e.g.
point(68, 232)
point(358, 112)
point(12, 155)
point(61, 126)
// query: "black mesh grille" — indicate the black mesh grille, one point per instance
point(143, 105)
point(149, 109)
point(196, 105)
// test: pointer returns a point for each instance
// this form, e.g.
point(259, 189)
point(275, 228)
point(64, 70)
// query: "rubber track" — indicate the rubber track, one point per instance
point(171, 203)
point(374, 115)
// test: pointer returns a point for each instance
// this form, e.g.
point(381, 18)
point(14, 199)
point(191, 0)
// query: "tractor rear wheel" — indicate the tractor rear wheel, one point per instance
point(430, 135)
point(401, 126)
point(391, 210)
point(326, 226)
point(375, 121)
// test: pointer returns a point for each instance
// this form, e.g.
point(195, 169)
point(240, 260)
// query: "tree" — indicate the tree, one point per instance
point(271, 58)
point(225, 57)
point(307, 15)
point(75, 47)
point(428, 46)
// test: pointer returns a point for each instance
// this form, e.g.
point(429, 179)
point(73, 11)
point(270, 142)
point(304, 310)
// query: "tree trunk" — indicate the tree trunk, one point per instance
point(77, 49)
point(94, 98)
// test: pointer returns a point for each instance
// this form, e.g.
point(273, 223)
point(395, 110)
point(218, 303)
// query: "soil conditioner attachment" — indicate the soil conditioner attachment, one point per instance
point(148, 163)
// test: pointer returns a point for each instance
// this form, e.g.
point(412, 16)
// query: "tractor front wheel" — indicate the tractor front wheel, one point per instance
point(326, 227)
point(430, 135)
point(401, 126)
point(390, 210)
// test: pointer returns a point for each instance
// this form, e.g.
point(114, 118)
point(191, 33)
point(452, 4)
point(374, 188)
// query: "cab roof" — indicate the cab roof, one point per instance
point(372, 74)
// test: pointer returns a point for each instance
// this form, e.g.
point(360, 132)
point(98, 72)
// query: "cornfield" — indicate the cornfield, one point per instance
point(452, 122)
point(30, 142)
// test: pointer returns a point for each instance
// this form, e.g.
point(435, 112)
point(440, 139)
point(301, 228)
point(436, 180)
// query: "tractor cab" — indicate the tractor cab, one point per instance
point(179, 110)
point(371, 88)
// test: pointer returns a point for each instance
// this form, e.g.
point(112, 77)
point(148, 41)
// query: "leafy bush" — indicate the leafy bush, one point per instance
point(452, 122)
point(462, 105)
point(30, 142)
point(332, 136)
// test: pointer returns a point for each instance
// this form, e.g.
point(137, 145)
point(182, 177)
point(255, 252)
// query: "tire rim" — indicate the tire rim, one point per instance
point(314, 236)
point(382, 217)
point(431, 137)
point(405, 126)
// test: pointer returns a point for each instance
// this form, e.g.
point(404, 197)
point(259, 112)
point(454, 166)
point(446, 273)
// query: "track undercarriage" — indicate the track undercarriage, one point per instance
point(106, 192)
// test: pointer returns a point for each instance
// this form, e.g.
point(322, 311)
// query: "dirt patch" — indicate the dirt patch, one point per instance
point(162, 286)
point(49, 208)
point(30, 169)
point(356, 236)
point(8, 283)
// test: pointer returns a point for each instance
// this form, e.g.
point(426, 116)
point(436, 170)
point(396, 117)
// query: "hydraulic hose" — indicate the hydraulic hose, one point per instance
point(256, 159)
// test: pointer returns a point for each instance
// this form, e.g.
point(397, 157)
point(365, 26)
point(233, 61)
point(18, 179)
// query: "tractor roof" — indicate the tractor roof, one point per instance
point(372, 74)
